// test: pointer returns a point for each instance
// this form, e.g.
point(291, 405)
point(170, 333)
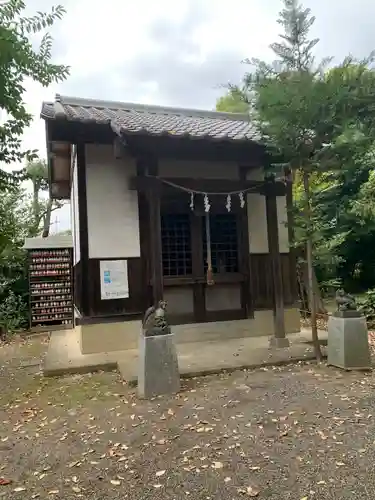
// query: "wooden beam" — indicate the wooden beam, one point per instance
point(207, 185)
point(279, 339)
point(197, 149)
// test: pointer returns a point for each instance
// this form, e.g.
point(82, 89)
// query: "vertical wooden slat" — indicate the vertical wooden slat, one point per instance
point(83, 230)
point(275, 258)
point(199, 295)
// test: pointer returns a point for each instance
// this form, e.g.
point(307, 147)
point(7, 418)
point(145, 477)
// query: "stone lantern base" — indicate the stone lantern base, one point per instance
point(158, 372)
point(348, 346)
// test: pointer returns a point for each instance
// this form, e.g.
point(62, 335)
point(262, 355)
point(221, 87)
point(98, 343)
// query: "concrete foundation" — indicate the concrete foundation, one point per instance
point(278, 342)
point(120, 336)
point(64, 355)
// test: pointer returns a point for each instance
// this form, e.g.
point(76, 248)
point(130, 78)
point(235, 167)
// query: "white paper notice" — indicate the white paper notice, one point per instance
point(114, 282)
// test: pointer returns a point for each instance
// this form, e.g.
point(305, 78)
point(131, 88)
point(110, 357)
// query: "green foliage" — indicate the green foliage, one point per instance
point(366, 304)
point(21, 215)
point(15, 220)
point(232, 102)
point(37, 173)
point(18, 61)
point(295, 49)
point(320, 123)
point(13, 313)
point(319, 126)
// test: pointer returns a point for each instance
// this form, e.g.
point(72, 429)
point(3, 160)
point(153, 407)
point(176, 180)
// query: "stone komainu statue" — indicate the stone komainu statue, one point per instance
point(345, 301)
point(155, 321)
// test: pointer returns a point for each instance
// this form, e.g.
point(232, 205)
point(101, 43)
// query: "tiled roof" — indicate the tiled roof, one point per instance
point(125, 118)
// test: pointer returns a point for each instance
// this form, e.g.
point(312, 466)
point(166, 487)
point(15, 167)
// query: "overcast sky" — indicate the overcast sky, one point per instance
point(178, 53)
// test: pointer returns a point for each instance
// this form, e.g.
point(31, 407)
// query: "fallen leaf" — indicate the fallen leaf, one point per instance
point(160, 473)
point(76, 489)
point(227, 479)
point(115, 482)
point(53, 492)
point(5, 482)
point(251, 491)
point(157, 486)
point(217, 465)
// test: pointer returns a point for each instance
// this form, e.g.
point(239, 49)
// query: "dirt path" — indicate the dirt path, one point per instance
point(295, 432)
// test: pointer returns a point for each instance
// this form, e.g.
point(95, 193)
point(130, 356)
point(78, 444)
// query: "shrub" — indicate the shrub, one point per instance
point(366, 304)
point(13, 313)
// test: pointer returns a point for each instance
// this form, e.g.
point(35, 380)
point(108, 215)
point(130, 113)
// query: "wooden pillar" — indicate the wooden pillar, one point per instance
point(292, 250)
point(156, 264)
point(247, 304)
point(199, 288)
point(144, 238)
point(84, 284)
point(279, 339)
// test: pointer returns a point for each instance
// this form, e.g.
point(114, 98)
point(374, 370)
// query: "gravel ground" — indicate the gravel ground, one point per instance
point(296, 432)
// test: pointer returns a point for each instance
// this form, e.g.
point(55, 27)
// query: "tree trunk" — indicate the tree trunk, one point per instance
point(310, 269)
point(303, 289)
point(36, 207)
point(47, 219)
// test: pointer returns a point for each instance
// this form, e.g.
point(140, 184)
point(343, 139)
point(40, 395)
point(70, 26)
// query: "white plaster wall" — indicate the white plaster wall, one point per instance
point(257, 219)
point(112, 208)
point(74, 212)
point(256, 216)
point(198, 169)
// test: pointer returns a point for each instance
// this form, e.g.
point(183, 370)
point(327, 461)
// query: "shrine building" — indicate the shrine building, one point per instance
point(171, 203)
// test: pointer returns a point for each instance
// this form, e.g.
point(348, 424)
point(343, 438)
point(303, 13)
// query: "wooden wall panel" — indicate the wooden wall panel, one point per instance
point(138, 301)
point(261, 280)
point(134, 305)
point(77, 286)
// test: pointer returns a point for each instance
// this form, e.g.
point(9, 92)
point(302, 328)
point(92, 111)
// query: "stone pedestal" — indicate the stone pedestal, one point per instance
point(348, 346)
point(158, 372)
